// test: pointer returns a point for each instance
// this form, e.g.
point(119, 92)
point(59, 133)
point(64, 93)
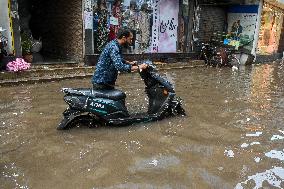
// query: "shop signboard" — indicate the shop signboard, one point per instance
point(165, 24)
point(242, 21)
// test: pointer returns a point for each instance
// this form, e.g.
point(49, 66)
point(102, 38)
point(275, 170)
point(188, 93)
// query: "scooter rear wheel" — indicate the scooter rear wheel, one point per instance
point(63, 124)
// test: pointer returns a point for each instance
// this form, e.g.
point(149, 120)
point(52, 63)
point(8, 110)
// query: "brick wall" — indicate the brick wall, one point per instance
point(212, 19)
point(281, 42)
point(62, 28)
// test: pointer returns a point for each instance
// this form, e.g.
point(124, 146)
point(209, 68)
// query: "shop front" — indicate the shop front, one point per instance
point(47, 31)
point(159, 26)
point(231, 23)
point(270, 35)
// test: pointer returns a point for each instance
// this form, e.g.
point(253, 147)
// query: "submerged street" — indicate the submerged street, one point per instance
point(232, 136)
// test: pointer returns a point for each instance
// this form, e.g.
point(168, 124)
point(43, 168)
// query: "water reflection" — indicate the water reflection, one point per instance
point(274, 178)
point(264, 97)
point(232, 136)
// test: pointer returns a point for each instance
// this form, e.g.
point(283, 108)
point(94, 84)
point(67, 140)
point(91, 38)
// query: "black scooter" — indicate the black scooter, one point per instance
point(107, 107)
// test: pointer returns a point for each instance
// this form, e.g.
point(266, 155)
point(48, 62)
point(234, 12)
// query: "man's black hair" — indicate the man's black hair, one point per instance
point(123, 32)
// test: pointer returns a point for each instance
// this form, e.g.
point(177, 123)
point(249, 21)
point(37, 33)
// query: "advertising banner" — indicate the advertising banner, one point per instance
point(242, 21)
point(165, 24)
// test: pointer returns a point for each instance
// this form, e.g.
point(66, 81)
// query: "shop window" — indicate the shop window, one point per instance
point(109, 16)
point(154, 24)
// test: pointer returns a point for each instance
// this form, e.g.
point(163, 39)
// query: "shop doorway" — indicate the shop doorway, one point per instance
point(55, 26)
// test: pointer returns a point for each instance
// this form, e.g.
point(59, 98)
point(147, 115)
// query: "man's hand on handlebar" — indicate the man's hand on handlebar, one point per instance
point(143, 66)
point(132, 63)
point(140, 67)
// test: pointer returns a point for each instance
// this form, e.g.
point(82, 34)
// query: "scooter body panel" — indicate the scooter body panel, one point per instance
point(162, 103)
point(98, 106)
point(106, 107)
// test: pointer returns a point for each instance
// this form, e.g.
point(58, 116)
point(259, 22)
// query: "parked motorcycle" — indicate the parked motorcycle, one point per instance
point(3, 45)
point(218, 55)
point(107, 107)
point(3, 52)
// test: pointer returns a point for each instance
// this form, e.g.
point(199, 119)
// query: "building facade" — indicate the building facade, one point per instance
point(72, 30)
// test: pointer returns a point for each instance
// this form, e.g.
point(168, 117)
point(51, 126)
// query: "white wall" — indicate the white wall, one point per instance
point(4, 22)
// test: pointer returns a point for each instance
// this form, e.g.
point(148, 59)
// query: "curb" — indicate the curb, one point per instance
point(48, 73)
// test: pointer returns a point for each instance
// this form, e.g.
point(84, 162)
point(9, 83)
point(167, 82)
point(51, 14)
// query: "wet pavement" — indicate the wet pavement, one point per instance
point(232, 136)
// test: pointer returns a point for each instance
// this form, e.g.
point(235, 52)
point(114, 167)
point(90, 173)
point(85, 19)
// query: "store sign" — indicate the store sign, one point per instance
point(165, 24)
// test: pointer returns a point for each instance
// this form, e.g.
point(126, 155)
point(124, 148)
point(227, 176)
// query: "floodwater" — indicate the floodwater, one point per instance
point(232, 137)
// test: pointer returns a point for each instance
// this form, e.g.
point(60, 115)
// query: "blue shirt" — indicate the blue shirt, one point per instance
point(110, 62)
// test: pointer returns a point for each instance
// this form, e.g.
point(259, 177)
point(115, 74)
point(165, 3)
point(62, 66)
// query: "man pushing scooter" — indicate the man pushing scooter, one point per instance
point(111, 61)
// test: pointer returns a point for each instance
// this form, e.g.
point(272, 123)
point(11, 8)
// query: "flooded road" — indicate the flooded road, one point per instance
point(232, 137)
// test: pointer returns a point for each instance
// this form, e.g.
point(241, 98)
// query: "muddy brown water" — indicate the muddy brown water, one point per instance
point(232, 136)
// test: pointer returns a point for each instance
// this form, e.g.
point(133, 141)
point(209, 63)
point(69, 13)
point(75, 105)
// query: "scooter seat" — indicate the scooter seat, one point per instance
point(109, 94)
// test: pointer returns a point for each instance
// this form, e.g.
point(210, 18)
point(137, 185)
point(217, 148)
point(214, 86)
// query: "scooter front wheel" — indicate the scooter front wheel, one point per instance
point(180, 111)
point(177, 108)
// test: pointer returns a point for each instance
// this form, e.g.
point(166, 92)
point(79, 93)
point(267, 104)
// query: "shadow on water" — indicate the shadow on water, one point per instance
point(232, 137)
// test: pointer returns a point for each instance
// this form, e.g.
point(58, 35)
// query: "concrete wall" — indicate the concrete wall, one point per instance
point(281, 41)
